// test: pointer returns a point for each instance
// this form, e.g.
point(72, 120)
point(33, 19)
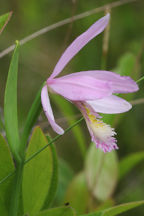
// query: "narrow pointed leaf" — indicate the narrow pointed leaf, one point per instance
point(4, 20)
point(61, 211)
point(37, 174)
point(117, 209)
point(122, 208)
point(10, 105)
point(6, 166)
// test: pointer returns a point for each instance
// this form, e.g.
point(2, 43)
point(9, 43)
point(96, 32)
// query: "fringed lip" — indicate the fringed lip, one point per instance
point(101, 134)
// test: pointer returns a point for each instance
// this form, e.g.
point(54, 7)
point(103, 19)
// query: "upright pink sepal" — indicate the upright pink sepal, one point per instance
point(79, 43)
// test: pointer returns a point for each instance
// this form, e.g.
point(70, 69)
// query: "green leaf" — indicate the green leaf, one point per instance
point(61, 211)
point(6, 166)
point(122, 208)
point(4, 20)
point(68, 111)
point(101, 171)
point(105, 205)
point(54, 178)
point(117, 209)
point(126, 64)
point(65, 176)
point(10, 105)
point(129, 162)
point(37, 174)
point(77, 194)
point(94, 214)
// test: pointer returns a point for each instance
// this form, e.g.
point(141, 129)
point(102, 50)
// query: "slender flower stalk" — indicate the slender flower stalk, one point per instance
point(91, 91)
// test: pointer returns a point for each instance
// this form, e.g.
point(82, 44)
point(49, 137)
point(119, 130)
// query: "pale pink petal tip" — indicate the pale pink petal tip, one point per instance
point(48, 111)
point(118, 83)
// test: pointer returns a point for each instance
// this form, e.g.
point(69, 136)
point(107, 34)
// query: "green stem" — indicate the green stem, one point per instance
point(6, 177)
point(31, 119)
point(53, 140)
point(105, 44)
point(141, 79)
point(15, 197)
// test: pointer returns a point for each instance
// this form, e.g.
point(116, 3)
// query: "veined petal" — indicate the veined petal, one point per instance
point(80, 88)
point(110, 105)
point(48, 110)
point(79, 43)
point(119, 84)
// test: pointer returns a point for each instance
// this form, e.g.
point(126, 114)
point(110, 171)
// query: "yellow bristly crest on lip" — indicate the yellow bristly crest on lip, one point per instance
point(92, 118)
point(101, 130)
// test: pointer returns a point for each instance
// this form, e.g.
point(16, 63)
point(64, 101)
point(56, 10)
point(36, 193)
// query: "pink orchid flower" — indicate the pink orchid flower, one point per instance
point(91, 91)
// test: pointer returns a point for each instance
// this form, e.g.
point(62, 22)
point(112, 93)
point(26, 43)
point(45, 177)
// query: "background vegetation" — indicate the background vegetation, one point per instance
point(37, 60)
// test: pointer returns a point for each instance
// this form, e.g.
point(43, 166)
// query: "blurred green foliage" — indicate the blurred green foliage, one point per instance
point(37, 61)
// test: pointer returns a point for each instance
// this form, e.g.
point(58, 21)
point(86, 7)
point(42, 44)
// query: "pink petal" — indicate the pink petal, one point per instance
point(119, 84)
point(79, 43)
point(79, 88)
point(110, 105)
point(48, 110)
